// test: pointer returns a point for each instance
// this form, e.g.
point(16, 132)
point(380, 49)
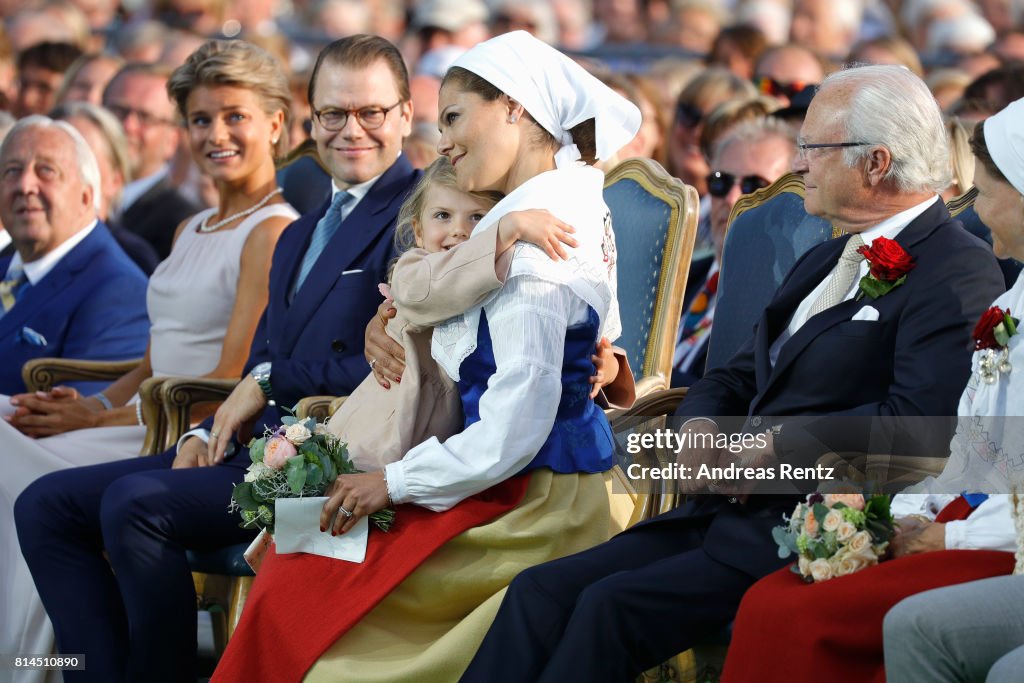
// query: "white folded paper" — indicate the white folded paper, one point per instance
point(297, 530)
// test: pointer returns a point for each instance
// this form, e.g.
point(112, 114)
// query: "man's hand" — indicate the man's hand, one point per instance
point(385, 356)
point(754, 457)
point(191, 454)
point(358, 494)
point(236, 415)
point(917, 536)
point(700, 434)
point(54, 412)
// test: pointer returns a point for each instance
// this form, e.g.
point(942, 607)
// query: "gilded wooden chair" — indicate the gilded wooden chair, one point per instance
point(655, 220)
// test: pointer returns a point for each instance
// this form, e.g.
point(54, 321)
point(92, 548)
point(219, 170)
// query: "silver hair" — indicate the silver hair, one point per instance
point(88, 169)
point(754, 131)
point(892, 107)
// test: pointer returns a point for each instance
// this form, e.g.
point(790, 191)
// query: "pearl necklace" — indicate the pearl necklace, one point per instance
point(203, 227)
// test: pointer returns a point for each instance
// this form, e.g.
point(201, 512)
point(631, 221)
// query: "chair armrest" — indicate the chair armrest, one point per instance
point(42, 374)
point(180, 394)
point(650, 384)
point(318, 407)
point(150, 393)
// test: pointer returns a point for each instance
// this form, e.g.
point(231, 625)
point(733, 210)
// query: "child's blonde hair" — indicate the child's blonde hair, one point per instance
point(439, 172)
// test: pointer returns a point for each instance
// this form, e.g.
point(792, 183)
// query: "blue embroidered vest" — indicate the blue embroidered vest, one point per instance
point(580, 440)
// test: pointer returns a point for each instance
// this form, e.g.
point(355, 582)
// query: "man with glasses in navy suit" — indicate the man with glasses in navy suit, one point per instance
point(132, 612)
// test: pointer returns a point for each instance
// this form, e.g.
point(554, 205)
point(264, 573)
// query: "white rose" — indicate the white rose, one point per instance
point(832, 520)
point(850, 563)
point(821, 570)
point(860, 541)
point(257, 471)
point(322, 430)
point(297, 434)
point(804, 565)
point(845, 531)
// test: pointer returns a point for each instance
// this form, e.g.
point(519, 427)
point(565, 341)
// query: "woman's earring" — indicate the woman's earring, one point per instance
point(512, 118)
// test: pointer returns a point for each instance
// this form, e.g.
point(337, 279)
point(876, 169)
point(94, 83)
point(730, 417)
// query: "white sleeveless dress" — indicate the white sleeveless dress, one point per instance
point(189, 298)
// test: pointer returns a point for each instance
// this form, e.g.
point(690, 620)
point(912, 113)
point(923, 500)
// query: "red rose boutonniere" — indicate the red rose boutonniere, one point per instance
point(992, 335)
point(889, 263)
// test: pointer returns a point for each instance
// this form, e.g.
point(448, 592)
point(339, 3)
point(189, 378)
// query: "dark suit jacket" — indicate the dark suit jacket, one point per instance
point(316, 342)
point(913, 361)
point(155, 215)
point(92, 305)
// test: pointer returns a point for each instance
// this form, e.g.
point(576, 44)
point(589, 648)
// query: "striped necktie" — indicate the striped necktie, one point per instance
point(322, 234)
point(9, 289)
point(843, 276)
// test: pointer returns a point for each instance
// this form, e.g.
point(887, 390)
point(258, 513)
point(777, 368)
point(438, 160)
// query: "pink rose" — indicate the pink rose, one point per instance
point(277, 451)
point(850, 500)
point(810, 523)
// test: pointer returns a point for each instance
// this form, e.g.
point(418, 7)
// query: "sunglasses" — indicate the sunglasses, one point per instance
point(769, 86)
point(688, 115)
point(720, 183)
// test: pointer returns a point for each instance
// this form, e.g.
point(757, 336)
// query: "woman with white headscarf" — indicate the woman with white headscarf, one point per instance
point(521, 483)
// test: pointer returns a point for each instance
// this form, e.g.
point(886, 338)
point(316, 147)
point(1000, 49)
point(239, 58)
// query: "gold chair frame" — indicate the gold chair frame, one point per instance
point(656, 366)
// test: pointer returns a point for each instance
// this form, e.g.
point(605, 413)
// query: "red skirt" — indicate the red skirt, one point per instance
point(301, 604)
point(790, 631)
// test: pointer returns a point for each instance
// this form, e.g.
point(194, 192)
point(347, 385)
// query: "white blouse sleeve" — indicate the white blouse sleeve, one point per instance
point(528, 321)
point(990, 527)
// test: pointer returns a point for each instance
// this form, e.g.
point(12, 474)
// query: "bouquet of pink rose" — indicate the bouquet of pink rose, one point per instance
point(301, 458)
point(835, 534)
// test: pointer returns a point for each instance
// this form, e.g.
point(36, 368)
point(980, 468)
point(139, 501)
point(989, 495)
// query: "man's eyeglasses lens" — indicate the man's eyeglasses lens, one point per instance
point(719, 183)
point(145, 118)
point(369, 118)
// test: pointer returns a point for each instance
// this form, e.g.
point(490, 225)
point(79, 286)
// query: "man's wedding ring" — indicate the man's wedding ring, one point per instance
point(343, 511)
point(372, 363)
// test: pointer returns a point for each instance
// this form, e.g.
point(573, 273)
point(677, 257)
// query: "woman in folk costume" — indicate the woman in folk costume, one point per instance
point(833, 629)
point(521, 483)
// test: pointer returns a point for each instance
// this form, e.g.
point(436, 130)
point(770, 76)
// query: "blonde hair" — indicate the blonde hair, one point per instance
point(239, 64)
point(439, 172)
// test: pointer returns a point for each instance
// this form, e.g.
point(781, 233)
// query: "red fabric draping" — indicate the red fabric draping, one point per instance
point(301, 604)
point(793, 632)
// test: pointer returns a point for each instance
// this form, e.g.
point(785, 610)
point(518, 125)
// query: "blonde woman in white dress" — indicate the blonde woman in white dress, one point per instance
point(204, 302)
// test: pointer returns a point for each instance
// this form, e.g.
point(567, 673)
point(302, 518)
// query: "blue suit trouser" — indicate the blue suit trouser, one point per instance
point(106, 548)
point(611, 612)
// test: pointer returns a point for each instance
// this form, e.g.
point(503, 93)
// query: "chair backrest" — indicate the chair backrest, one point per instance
point(768, 231)
point(655, 220)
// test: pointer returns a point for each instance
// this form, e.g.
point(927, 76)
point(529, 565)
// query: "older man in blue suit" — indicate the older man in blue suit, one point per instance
point(873, 156)
point(133, 611)
point(68, 290)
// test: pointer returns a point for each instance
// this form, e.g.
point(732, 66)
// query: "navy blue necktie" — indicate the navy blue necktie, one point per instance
point(322, 234)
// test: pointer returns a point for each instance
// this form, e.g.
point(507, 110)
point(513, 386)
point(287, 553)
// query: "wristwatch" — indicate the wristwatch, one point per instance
point(261, 373)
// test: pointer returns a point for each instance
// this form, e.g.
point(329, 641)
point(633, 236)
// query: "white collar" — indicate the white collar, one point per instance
point(41, 267)
point(5, 239)
point(135, 189)
point(893, 225)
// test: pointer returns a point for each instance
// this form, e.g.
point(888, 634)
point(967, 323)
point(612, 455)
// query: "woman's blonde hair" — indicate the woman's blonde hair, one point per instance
point(439, 172)
point(239, 64)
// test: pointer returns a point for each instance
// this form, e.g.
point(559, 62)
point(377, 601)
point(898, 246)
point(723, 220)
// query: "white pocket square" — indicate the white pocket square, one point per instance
point(869, 313)
point(351, 272)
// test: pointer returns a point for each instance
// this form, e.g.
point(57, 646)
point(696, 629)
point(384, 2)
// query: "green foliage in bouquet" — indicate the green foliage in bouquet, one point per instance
point(299, 459)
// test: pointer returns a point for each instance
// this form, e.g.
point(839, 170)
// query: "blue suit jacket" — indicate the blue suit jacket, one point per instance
point(913, 361)
point(92, 306)
point(316, 342)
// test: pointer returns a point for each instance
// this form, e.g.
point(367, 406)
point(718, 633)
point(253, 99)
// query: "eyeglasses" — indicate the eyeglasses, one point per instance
point(769, 86)
point(370, 118)
point(688, 115)
point(802, 147)
point(720, 183)
point(144, 117)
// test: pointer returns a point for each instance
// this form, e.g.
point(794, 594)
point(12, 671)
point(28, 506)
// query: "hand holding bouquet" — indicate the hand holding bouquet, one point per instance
point(299, 459)
point(835, 534)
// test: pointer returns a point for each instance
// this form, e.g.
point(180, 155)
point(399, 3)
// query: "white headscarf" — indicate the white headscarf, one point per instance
point(556, 91)
point(1004, 138)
